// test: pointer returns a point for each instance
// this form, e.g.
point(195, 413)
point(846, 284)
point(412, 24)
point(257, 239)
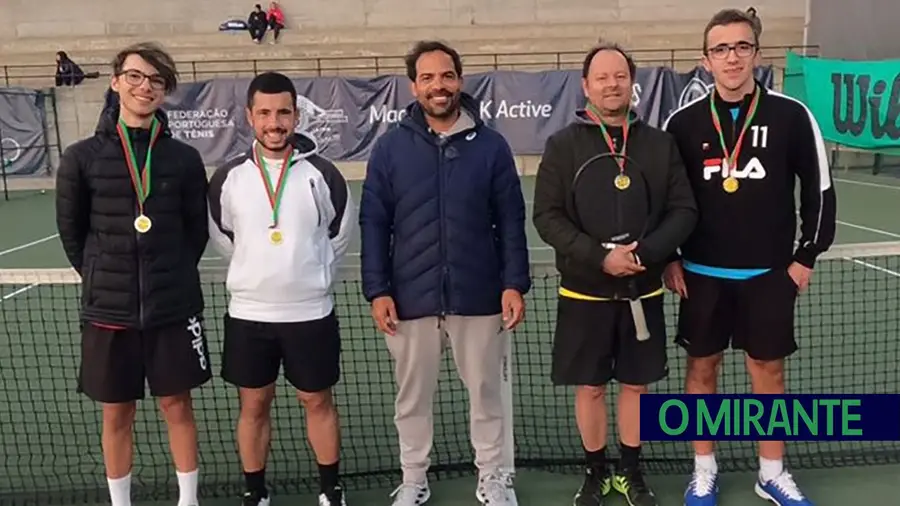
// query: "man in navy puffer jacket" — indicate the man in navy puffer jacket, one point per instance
point(444, 258)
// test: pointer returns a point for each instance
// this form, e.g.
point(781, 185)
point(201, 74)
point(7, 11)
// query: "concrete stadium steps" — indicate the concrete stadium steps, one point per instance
point(368, 51)
point(623, 31)
point(370, 41)
point(352, 59)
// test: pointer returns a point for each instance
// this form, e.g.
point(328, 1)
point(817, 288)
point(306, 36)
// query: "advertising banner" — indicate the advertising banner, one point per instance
point(23, 144)
point(347, 115)
point(856, 103)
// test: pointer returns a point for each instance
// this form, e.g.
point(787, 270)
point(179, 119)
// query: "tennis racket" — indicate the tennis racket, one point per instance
point(631, 216)
point(506, 394)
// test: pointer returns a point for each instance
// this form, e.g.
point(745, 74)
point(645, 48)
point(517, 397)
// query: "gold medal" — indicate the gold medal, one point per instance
point(142, 224)
point(139, 180)
point(622, 182)
point(275, 236)
point(730, 184)
point(273, 192)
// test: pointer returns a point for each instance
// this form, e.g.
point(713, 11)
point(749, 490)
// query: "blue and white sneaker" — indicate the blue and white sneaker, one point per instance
point(703, 490)
point(782, 491)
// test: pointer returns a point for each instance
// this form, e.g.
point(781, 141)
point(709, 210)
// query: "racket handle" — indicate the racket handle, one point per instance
point(640, 321)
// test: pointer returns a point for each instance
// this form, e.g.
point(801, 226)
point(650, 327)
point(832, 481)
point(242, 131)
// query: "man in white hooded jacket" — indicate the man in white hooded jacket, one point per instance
point(282, 215)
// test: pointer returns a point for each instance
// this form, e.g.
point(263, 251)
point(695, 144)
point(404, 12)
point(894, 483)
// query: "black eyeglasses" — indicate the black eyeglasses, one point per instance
point(135, 77)
point(741, 49)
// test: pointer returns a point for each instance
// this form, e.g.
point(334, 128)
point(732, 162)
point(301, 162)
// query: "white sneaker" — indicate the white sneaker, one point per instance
point(493, 490)
point(324, 500)
point(251, 499)
point(509, 478)
point(411, 494)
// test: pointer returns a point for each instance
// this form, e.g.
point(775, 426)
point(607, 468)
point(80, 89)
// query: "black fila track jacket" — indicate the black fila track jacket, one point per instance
point(756, 225)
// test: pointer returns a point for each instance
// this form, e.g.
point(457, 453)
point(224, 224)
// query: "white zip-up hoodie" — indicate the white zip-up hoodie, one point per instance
point(291, 281)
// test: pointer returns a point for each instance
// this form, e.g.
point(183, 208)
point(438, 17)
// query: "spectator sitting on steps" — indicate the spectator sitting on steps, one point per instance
point(68, 73)
point(257, 24)
point(276, 20)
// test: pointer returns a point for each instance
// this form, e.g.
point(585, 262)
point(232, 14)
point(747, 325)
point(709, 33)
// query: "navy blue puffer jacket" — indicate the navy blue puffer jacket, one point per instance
point(442, 220)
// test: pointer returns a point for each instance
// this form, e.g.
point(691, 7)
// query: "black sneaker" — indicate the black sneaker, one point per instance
point(255, 498)
point(333, 497)
point(596, 485)
point(630, 483)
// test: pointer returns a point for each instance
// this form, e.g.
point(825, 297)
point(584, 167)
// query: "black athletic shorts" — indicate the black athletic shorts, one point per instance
point(254, 352)
point(115, 363)
point(595, 341)
point(756, 315)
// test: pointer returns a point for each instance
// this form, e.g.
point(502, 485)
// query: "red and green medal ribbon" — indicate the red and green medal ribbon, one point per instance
point(140, 178)
point(732, 158)
point(621, 181)
point(274, 192)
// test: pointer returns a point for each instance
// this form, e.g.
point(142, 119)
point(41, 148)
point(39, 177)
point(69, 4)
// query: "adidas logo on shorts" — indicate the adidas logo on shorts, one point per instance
point(196, 329)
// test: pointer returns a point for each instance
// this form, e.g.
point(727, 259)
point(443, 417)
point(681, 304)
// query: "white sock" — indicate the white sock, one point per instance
point(706, 463)
point(187, 488)
point(120, 490)
point(770, 469)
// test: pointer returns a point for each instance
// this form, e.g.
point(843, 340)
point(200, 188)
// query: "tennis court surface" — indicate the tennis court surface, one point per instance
point(848, 325)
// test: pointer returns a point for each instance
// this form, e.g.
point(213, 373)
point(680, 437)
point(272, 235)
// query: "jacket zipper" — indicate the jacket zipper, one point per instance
point(445, 270)
point(140, 271)
point(618, 216)
point(734, 130)
point(312, 187)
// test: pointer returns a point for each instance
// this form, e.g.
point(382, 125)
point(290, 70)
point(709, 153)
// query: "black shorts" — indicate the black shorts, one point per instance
point(116, 363)
point(756, 315)
point(254, 351)
point(596, 342)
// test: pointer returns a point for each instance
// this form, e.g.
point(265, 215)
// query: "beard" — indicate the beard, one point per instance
point(441, 111)
point(277, 145)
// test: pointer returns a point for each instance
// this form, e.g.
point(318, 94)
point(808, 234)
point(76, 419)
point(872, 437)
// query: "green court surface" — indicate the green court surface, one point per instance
point(848, 327)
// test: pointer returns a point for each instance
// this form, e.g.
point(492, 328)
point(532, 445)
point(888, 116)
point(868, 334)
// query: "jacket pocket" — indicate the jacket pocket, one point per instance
point(87, 281)
point(326, 257)
point(315, 200)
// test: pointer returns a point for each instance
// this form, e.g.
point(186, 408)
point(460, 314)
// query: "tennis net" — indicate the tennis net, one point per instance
point(848, 325)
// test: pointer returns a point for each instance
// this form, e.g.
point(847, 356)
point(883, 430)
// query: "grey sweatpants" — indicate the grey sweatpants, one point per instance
point(482, 353)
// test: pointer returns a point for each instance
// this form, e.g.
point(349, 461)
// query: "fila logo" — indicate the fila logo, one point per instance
point(753, 169)
point(196, 329)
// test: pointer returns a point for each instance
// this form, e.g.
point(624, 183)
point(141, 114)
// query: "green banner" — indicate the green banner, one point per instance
point(856, 103)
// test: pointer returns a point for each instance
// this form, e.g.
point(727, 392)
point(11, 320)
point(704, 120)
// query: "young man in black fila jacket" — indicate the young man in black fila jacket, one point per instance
point(740, 272)
point(596, 338)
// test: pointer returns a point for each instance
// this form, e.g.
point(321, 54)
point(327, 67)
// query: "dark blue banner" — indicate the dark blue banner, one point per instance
point(347, 115)
point(23, 142)
point(824, 417)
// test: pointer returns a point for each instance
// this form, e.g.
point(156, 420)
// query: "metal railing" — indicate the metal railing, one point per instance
point(196, 70)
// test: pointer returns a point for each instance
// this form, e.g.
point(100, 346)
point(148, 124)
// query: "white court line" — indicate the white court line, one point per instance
point(873, 266)
point(866, 183)
point(28, 245)
point(20, 291)
point(869, 229)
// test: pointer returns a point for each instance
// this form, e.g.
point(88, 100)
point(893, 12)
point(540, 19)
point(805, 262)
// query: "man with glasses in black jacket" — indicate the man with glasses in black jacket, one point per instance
point(132, 217)
point(740, 271)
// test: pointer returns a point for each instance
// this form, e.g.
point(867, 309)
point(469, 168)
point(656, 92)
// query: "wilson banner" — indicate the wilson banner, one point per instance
point(856, 103)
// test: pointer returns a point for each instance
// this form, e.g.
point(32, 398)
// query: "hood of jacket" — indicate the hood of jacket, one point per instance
point(470, 118)
point(109, 119)
point(304, 144)
point(581, 116)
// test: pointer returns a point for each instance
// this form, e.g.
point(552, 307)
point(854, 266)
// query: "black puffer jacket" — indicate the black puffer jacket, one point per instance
point(136, 280)
point(578, 238)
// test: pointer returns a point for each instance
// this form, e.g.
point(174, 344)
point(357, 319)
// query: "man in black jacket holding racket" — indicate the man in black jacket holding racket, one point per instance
point(613, 221)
